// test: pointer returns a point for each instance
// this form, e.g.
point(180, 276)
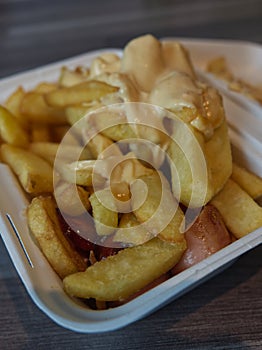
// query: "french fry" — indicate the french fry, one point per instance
point(130, 231)
point(79, 172)
point(120, 130)
point(77, 94)
point(10, 129)
point(106, 220)
point(157, 211)
point(82, 172)
point(69, 197)
point(240, 212)
point(199, 165)
point(139, 209)
point(13, 105)
point(34, 107)
point(250, 182)
point(44, 225)
point(45, 150)
point(48, 151)
point(100, 143)
point(75, 113)
point(34, 173)
point(119, 276)
point(69, 78)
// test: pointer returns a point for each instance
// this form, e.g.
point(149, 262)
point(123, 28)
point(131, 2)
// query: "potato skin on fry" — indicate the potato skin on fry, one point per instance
point(44, 225)
point(121, 275)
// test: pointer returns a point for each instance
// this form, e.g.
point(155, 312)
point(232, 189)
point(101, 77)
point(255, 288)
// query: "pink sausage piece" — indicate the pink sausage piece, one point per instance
point(206, 236)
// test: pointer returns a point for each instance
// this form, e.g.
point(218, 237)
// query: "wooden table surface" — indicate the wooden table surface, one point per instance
point(223, 313)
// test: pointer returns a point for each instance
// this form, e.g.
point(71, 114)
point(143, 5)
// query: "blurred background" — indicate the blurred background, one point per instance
point(36, 32)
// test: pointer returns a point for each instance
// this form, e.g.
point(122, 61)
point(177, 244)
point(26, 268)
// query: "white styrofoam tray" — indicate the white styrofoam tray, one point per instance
point(40, 281)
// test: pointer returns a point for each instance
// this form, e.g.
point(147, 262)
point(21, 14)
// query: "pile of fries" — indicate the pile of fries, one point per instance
point(113, 157)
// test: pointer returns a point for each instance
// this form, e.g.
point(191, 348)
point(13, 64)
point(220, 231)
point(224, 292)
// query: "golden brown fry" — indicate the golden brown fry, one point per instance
point(130, 231)
point(106, 220)
point(75, 113)
point(44, 224)
point(77, 94)
point(119, 276)
point(198, 165)
point(34, 107)
point(11, 130)
point(13, 105)
point(34, 173)
point(240, 212)
point(160, 212)
point(45, 150)
point(250, 182)
point(48, 151)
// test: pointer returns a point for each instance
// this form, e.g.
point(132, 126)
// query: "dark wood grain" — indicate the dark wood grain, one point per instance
point(223, 313)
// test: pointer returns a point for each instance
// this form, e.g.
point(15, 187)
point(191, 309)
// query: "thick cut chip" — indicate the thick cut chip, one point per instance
point(199, 168)
point(11, 130)
point(75, 113)
point(34, 107)
point(130, 231)
point(34, 173)
point(240, 212)
point(48, 151)
point(250, 182)
point(44, 225)
point(106, 220)
point(77, 94)
point(13, 105)
point(160, 212)
point(121, 275)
